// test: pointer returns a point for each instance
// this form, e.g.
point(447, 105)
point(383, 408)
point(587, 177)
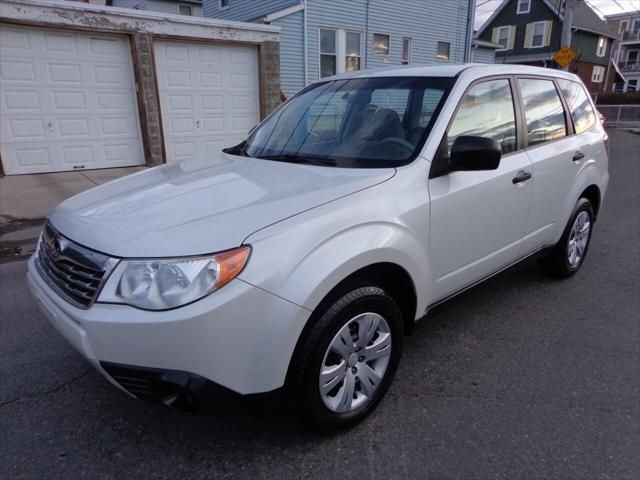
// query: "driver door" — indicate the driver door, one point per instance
point(478, 218)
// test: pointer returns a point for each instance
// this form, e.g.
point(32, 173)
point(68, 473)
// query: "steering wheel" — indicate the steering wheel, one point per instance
point(400, 142)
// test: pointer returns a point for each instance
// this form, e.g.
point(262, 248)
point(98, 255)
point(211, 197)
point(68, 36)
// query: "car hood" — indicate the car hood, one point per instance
point(199, 206)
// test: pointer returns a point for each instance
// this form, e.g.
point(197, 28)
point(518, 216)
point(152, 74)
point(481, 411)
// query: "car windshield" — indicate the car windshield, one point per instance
point(353, 123)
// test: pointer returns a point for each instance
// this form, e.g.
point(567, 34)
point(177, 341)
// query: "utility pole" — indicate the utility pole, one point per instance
point(565, 39)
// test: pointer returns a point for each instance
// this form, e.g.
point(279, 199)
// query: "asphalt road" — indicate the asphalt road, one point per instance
point(521, 377)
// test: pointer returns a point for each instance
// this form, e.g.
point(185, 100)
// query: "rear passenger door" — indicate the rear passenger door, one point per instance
point(556, 154)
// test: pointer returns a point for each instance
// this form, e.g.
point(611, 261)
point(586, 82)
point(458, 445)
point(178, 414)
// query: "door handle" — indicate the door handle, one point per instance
point(522, 176)
point(577, 156)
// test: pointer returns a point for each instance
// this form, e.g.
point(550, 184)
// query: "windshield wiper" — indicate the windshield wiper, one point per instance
point(240, 150)
point(297, 159)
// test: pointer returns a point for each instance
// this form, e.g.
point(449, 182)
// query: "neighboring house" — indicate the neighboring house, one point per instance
point(626, 54)
point(529, 32)
point(484, 52)
point(323, 37)
point(181, 7)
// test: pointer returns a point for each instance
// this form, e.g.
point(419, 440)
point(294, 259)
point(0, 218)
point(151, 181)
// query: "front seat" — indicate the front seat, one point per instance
point(384, 124)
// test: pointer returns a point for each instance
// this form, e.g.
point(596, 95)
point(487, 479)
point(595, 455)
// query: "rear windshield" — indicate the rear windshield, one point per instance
point(356, 123)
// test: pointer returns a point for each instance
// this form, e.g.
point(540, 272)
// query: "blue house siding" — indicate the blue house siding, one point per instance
point(426, 22)
point(483, 55)
point(245, 10)
point(291, 52)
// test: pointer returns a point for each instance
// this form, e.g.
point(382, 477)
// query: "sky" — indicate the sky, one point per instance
point(603, 7)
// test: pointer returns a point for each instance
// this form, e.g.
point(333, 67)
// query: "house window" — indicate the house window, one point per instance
point(632, 85)
point(380, 44)
point(444, 50)
point(328, 53)
point(636, 27)
point(406, 50)
point(352, 51)
point(224, 4)
point(524, 6)
point(632, 58)
point(340, 51)
point(537, 39)
point(597, 74)
point(504, 34)
point(602, 47)
point(185, 10)
point(624, 26)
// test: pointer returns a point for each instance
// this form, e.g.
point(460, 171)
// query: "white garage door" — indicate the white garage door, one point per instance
point(67, 101)
point(208, 96)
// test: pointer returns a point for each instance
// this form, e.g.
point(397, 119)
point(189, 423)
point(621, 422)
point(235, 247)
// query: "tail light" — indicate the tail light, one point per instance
point(603, 119)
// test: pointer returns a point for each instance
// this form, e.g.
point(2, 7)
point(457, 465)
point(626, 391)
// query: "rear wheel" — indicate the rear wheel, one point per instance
point(569, 253)
point(347, 362)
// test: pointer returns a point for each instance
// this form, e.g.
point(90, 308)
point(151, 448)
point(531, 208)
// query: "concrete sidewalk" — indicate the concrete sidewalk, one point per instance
point(26, 197)
point(25, 200)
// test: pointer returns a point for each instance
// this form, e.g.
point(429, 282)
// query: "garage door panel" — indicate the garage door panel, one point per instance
point(208, 95)
point(67, 101)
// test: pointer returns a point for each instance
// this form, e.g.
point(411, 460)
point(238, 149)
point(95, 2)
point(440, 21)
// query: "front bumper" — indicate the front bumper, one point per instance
point(240, 337)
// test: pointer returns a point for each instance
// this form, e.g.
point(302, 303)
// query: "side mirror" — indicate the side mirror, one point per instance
point(470, 153)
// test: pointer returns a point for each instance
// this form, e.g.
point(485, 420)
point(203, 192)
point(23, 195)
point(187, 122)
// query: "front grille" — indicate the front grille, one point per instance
point(75, 272)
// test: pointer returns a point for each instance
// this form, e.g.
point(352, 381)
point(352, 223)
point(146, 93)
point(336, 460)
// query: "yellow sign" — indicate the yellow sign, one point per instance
point(564, 56)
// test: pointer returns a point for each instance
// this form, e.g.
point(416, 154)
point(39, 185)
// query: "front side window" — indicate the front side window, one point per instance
point(444, 51)
point(224, 4)
point(328, 53)
point(597, 74)
point(537, 39)
point(602, 47)
point(185, 10)
point(406, 50)
point(486, 111)
point(380, 44)
point(524, 6)
point(579, 105)
point(355, 123)
point(543, 110)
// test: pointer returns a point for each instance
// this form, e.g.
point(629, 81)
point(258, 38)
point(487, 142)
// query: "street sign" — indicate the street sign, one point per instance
point(564, 56)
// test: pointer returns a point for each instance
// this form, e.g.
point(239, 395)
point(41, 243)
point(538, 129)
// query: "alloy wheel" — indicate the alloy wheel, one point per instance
point(355, 363)
point(578, 239)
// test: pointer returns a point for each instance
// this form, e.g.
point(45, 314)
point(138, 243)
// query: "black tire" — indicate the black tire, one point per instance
point(303, 380)
point(557, 263)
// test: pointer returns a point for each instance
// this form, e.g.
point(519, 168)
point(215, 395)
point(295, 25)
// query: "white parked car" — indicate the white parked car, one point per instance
point(297, 260)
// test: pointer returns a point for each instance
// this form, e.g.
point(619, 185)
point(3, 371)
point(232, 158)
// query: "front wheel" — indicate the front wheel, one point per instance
point(347, 362)
point(569, 253)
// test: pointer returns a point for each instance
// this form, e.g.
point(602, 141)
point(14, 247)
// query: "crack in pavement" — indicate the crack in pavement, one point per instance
point(46, 392)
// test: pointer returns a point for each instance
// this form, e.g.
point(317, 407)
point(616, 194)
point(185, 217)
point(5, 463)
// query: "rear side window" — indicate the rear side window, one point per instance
point(486, 111)
point(578, 101)
point(543, 110)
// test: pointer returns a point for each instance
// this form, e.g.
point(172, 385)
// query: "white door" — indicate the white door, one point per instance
point(478, 218)
point(67, 101)
point(208, 95)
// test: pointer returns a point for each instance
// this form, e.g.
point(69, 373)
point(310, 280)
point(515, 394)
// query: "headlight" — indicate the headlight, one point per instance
point(161, 284)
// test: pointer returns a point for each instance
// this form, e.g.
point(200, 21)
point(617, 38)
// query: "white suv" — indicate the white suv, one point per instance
point(300, 257)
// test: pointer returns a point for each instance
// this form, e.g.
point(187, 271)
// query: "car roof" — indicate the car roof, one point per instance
point(476, 70)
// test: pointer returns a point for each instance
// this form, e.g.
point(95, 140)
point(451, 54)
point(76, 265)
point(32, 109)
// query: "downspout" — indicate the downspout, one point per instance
point(469, 40)
point(306, 40)
point(366, 36)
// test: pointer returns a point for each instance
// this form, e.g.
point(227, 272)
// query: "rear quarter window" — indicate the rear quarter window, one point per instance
point(579, 104)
